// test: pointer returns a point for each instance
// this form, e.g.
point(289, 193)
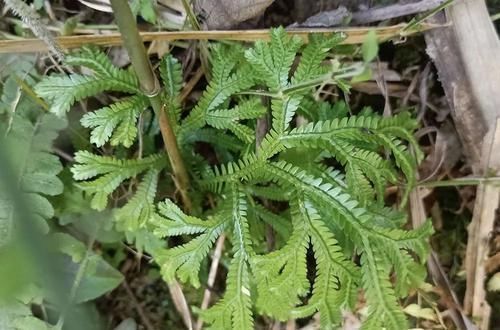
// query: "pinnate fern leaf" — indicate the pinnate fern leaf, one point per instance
point(120, 118)
point(94, 59)
point(336, 216)
point(62, 91)
point(226, 80)
point(235, 306)
point(272, 61)
point(140, 208)
point(108, 173)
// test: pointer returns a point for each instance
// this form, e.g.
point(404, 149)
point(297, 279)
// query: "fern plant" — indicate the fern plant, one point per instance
point(335, 239)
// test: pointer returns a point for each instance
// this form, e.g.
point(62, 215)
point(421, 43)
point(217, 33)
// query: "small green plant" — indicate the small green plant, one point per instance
point(328, 175)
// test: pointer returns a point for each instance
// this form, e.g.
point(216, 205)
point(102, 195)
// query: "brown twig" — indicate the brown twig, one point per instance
point(487, 201)
point(188, 88)
point(180, 303)
point(151, 88)
point(353, 36)
point(211, 276)
point(418, 218)
point(144, 318)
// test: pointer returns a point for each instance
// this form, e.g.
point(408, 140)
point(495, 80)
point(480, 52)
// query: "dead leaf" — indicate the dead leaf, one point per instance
point(421, 313)
point(494, 283)
point(223, 14)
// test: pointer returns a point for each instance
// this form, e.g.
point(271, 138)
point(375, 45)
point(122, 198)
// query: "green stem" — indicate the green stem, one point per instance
point(151, 88)
point(31, 94)
point(415, 22)
point(460, 182)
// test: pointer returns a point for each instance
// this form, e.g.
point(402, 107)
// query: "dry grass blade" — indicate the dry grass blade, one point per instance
point(418, 217)
point(487, 201)
point(180, 303)
point(211, 276)
point(354, 36)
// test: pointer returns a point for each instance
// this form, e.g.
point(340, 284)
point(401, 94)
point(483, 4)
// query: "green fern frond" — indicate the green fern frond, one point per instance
point(273, 60)
point(118, 121)
point(171, 221)
point(225, 82)
point(334, 288)
point(271, 192)
point(236, 305)
point(315, 52)
point(281, 275)
point(140, 208)
point(414, 240)
point(94, 59)
point(108, 173)
point(61, 92)
point(384, 312)
point(279, 223)
point(247, 167)
point(215, 137)
point(171, 75)
point(228, 119)
point(224, 119)
point(185, 261)
point(283, 110)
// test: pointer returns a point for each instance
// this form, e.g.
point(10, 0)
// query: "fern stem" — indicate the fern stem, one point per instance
point(474, 181)
point(151, 88)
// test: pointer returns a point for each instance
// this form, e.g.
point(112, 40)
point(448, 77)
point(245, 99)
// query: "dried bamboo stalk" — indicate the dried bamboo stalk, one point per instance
point(354, 36)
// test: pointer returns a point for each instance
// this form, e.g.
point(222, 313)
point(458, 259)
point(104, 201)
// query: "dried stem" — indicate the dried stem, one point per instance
point(151, 87)
point(211, 277)
point(354, 35)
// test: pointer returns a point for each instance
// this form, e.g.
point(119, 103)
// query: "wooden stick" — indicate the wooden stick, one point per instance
point(354, 36)
point(480, 229)
point(211, 277)
point(466, 58)
point(439, 277)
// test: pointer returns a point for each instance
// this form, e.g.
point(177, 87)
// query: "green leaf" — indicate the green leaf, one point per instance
point(494, 283)
point(225, 82)
point(98, 278)
point(234, 311)
point(120, 118)
point(140, 208)
point(147, 11)
point(28, 147)
point(369, 48)
point(108, 173)
point(30, 322)
point(273, 60)
point(421, 313)
point(62, 91)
